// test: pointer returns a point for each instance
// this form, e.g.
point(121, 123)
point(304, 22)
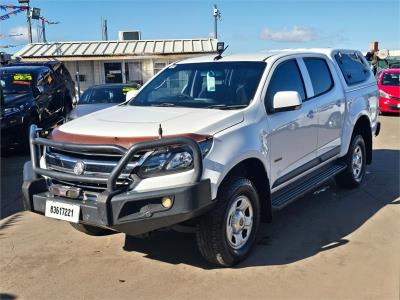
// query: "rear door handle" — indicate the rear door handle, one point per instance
point(310, 114)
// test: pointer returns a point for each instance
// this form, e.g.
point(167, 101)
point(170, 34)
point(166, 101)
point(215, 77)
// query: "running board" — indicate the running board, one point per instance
point(299, 188)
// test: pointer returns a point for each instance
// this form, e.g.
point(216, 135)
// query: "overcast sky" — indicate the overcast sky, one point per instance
point(245, 25)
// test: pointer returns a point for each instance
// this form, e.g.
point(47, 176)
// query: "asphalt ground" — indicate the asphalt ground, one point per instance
point(331, 244)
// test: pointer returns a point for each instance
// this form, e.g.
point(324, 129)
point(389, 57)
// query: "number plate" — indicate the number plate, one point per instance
point(62, 211)
point(398, 105)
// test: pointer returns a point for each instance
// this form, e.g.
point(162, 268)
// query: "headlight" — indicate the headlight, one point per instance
point(10, 111)
point(171, 160)
point(385, 95)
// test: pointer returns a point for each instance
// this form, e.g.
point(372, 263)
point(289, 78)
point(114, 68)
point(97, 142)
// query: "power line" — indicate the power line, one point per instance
point(3, 36)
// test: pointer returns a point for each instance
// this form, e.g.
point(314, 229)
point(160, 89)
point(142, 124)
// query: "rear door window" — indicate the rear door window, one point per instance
point(286, 77)
point(353, 68)
point(320, 75)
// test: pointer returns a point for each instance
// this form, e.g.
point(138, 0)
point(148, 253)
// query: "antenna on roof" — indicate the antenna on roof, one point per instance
point(220, 49)
point(160, 132)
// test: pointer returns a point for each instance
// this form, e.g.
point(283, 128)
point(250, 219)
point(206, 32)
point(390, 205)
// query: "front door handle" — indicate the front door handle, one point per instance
point(310, 114)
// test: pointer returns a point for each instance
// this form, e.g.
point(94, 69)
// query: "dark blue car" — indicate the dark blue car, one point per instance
point(33, 93)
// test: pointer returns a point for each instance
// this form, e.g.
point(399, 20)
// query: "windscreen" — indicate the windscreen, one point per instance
point(105, 95)
point(16, 83)
point(391, 79)
point(203, 85)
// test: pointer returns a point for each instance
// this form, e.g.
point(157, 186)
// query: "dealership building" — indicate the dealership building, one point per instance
point(122, 61)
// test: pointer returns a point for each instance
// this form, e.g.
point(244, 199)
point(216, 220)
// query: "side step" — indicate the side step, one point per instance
point(299, 188)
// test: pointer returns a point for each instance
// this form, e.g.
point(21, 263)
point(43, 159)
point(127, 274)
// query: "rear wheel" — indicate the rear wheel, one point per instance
point(355, 159)
point(91, 230)
point(227, 234)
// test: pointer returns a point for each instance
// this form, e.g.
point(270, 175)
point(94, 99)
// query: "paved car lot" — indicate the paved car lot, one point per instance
point(333, 243)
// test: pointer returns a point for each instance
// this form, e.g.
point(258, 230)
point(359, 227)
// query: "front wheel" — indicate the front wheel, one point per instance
point(355, 159)
point(227, 234)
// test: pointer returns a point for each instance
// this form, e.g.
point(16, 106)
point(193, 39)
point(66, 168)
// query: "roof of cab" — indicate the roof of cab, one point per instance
point(21, 68)
point(264, 55)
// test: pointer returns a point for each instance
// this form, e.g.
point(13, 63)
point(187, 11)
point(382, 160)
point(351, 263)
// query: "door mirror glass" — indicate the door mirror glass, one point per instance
point(287, 100)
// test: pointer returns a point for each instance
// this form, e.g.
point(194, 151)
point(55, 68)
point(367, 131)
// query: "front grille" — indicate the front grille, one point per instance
point(394, 107)
point(95, 164)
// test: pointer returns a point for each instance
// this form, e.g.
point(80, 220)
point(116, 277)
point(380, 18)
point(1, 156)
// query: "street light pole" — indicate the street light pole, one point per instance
point(217, 17)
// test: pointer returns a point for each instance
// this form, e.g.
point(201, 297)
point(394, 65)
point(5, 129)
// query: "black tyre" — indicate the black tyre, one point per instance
point(355, 159)
point(91, 230)
point(227, 234)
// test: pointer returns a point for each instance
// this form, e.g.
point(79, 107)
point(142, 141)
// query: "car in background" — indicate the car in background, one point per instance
point(389, 91)
point(33, 93)
point(103, 96)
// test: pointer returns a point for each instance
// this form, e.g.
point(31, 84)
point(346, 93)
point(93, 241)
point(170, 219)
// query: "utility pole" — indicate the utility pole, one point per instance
point(28, 12)
point(104, 29)
point(217, 17)
point(28, 18)
point(44, 30)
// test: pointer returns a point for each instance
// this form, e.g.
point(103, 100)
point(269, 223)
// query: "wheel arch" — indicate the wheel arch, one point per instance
point(254, 170)
point(363, 127)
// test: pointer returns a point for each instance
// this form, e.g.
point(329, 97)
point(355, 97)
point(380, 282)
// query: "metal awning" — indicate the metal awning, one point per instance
point(118, 48)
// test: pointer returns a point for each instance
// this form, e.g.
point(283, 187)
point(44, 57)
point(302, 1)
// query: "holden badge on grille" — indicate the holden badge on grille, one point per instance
point(79, 168)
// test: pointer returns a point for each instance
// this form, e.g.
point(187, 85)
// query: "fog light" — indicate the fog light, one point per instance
point(166, 202)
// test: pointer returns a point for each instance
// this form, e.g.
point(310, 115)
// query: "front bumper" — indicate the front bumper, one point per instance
point(125, 211)
point(389, 105)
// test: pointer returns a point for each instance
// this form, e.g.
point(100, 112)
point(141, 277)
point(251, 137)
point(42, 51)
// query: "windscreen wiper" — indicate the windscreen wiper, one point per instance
point(163, 104)
point(226, 107)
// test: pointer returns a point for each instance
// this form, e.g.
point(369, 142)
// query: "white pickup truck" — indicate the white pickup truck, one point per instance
point(216, 143)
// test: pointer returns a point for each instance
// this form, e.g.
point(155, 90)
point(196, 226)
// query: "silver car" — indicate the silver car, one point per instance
point(99, 97)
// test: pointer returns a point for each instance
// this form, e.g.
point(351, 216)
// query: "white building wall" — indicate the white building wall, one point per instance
point(94, 72)
point(87, 69)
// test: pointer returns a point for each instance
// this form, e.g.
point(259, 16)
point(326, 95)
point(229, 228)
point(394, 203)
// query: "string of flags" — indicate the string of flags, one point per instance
point(10, 46)
point(47, 21)
point(16, 10)
point(9, 6)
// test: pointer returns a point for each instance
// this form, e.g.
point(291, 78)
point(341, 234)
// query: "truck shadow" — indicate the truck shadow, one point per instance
point(11, 182)
point(318, 222)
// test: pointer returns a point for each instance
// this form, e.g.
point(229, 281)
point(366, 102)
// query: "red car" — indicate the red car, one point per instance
point(389, 91)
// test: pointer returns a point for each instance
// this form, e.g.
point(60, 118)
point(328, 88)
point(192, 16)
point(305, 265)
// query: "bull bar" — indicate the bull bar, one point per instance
point(190, 199)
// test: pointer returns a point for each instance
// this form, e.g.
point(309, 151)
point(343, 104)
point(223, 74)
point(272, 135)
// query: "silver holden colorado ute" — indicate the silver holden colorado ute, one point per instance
point(217, 143)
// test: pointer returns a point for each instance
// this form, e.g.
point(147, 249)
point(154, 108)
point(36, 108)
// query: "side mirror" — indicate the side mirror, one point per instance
point(131, 94)
point(38, 90)
point(287, 100)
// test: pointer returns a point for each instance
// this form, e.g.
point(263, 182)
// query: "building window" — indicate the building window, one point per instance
point(158, 66)
point(133, 72)
point(113, 72)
